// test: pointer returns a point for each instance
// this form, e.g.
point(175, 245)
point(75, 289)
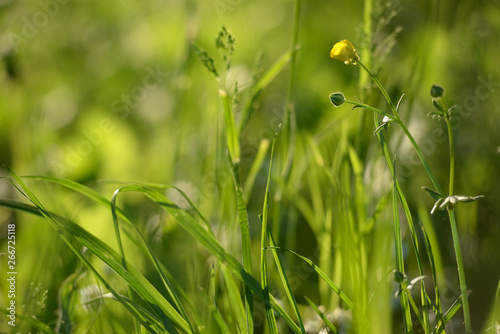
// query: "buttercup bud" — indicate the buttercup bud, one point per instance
point(437, 91)
point(344, 51)
point(337, 99)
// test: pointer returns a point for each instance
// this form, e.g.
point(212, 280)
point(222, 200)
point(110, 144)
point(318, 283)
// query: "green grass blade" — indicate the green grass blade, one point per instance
point(203, 236)
point(78, 187)
point(154, 260)
point(39, 325)
point(271, 320)
point(214, 308)
point(272, 72)
point(405, 307)
point(66, 297)
point(424, 216)
point(93, 195)
point(454, 308)
point(322, 316)
point(368, 226)
point(174, 289)
point(233, 294)
point(262, 83)
point(461, 271)
point(98, 198)
point(180, 191)
point(245, 244)
point(348, 302)
point(150, 317)
point(137, 281)
point(53, 219)
point(414, 239)
point(232, 137)
point(256, 166)
point(286, 283)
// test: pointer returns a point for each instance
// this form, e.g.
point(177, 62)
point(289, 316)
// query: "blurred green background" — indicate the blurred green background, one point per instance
point(94, 91)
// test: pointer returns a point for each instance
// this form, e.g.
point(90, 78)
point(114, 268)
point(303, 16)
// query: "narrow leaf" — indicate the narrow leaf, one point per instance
point(432, 193)
point(232, 137)
point(322, 316)
point(271, 320)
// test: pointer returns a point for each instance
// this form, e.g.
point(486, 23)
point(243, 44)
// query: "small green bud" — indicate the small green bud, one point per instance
point(398, 276)
point(337, 99)
point(437, 91)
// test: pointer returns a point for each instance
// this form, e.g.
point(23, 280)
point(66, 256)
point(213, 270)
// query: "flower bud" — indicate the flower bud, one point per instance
point(344, 51)
point(337, 99)
point(398, 276)
point(437, 91)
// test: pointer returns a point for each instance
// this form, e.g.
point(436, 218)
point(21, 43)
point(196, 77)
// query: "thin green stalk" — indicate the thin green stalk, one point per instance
point(382, 89)
point(454, 231)
point(402, 199)
point(416, 311)
point(451, 214)
point(367, 107)
point(461, 271)
point(122, 254)
point(271, 320)
point(245, 244)
point(403, 297)
point(420, 155)
point(285, 281)
point(452, 157)
point(405, 129)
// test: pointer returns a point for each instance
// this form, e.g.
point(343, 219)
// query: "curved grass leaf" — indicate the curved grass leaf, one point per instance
point(245, 244)
point(156, 263)
point(70, 231)
point(348, 302)
point(52, 218)
point(262, 83)
point(271, 320)
point(40, 326)
point(254, 169)
point(322, 316)
point(117, 212)
point(187, 222)
point(232, 136)
point(286, 283)
point(204, 237)
point(235, 302)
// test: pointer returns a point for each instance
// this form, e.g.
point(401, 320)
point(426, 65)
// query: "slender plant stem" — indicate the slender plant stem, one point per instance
point(420, 155)
point(382, 89)
point(451, 213)
point(365, 106)
point(404, 128)
point(461, 271)
point(454, 231)
point(452, 148)
point(452, 158)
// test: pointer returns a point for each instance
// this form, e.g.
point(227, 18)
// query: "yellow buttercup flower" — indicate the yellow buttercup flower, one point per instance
point(344, 51)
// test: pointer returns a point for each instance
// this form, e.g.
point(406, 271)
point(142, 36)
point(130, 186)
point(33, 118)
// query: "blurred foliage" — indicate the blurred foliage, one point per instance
point(94, 90)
